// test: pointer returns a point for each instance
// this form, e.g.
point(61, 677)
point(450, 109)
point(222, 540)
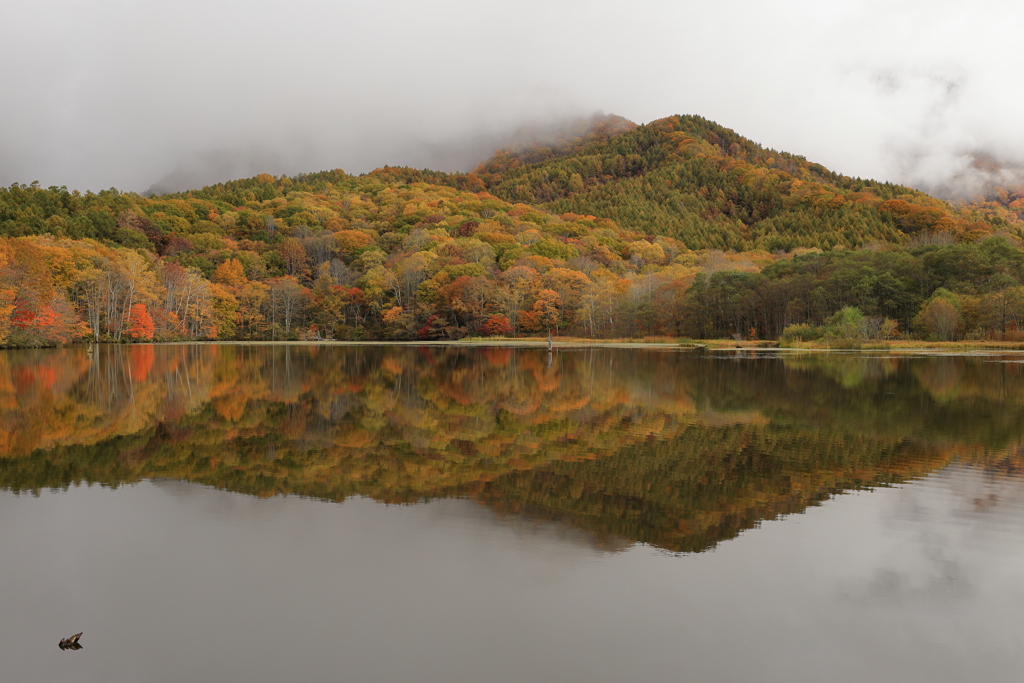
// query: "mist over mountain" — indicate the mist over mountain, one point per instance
point(216, 166)
point(975, 175)
point(452, 155)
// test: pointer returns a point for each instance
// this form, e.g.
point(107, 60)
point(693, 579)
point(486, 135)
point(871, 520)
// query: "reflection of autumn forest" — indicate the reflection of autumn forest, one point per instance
point(678, 450)
point(680, 227)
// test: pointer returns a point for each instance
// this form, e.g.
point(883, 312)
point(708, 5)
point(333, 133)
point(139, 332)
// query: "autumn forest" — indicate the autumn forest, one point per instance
point(679, 228)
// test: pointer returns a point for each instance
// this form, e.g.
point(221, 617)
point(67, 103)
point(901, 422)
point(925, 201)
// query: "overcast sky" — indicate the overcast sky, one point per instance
point(101, 93)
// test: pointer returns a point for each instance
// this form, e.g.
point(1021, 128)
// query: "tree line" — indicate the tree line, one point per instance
point(934, 291)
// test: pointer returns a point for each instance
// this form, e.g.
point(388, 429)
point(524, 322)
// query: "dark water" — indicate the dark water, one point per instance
point(214, 513)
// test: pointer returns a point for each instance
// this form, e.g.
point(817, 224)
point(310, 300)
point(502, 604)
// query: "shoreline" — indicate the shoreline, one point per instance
point(902, 347)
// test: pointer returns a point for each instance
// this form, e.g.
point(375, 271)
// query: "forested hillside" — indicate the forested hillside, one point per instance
point(692, 179)
point(680, 228)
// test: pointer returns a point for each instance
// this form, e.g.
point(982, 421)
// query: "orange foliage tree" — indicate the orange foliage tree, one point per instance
point(140, 323)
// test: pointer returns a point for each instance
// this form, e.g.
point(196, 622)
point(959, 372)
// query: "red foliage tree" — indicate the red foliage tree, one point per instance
point(496, 326)
point(140, 323)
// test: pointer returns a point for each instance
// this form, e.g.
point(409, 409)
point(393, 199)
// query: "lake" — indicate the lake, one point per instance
point(383, 513)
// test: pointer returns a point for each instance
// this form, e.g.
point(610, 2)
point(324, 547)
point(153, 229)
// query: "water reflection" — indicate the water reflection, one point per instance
point(677, 450)
point(173, 581)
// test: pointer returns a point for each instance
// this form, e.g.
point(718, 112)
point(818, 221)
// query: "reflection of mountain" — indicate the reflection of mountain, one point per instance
point(673, 449)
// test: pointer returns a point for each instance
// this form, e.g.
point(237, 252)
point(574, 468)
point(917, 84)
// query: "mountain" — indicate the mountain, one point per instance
point(694, 180)
point(600, 228)
point(682, 177)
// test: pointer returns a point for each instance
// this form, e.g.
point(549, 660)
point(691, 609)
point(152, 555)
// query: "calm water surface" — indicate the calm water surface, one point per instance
point(269, 513)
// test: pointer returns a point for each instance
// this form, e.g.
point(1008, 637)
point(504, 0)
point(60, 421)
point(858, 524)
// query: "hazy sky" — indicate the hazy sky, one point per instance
point(101, 93)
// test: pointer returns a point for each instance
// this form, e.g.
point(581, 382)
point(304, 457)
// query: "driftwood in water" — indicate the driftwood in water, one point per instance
point(70, 643)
